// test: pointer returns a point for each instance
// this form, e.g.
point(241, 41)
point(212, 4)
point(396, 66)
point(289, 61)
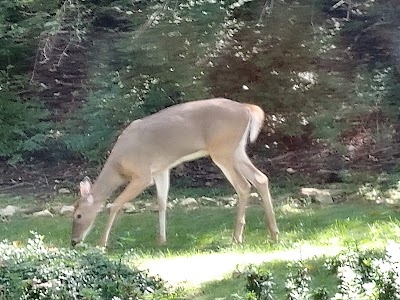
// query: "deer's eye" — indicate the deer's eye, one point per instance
point(79, 216)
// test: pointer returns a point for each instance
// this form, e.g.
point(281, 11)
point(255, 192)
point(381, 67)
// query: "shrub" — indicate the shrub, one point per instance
point(368, 276)
point(22, 129)
point(297, 283)
point(362, 275)
point(260, 284)
point(37, 271)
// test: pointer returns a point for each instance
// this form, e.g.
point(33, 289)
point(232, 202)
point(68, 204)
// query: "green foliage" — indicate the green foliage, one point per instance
point(22, 126)
point(297, 283)
point(260, 284)
point(383, 189)
point(288, 57)
point(37, 271)
point(21, 22)
point(362, 275)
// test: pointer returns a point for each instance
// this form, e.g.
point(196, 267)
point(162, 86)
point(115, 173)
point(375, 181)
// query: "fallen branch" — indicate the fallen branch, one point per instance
point(265, 8)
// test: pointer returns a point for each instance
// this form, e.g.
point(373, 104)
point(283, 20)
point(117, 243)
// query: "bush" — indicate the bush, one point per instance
point(368, 276)
point(36, 271)
point(22, 129)
point(260, 284)
point(362, 275)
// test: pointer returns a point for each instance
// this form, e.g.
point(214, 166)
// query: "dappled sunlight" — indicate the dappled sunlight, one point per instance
point(361, 225)
point(210, 229)
point(308, 233)
point(194, 270)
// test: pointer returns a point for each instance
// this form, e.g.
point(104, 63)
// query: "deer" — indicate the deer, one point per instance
point(149, 148)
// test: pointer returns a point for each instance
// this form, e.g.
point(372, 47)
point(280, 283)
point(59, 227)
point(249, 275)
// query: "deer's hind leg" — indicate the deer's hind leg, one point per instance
point(226, 162)
point(260, 181)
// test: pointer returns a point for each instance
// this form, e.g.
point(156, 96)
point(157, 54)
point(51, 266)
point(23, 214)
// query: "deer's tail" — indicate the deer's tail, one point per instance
point(257, 117)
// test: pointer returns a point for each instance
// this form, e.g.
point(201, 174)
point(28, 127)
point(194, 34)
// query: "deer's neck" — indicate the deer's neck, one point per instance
point(108, 181)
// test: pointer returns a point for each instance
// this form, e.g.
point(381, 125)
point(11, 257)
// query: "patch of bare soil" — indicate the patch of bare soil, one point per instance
point(41, 178)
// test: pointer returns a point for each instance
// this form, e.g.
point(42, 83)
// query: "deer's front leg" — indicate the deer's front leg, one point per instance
point(132, 190)
point(161, 181)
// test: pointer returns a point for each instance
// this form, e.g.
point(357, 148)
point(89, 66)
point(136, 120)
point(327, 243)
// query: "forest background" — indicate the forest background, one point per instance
point(74, 73)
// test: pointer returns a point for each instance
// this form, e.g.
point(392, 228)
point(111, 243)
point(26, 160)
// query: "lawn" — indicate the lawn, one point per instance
point(206, 232)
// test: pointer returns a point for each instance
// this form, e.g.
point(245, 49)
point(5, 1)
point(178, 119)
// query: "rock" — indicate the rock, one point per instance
point(290, 171)
point(209, 201)
point(254, 198)
point(129, 208)
point(189, 202)
point(9, 211)
point(322, 196)
point(148, 204)
point(154, 207)
point(393, 196)
point(109, 205)
point(64, 191)
point(43, 213)
point(228, 201)
point(66, 210)
point(140, 204)
point(254, 195)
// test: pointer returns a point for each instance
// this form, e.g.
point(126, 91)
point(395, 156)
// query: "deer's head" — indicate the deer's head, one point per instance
point(84, 214)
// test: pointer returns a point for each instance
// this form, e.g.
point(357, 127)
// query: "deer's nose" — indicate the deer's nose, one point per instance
point(74, 243)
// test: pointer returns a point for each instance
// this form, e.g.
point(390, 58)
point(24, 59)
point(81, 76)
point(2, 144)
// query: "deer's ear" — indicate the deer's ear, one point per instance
point(85, 187)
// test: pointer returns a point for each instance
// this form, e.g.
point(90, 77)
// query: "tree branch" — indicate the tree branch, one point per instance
point(265, 9)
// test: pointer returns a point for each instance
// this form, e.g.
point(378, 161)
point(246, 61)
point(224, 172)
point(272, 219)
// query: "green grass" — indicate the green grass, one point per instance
point(209, 229)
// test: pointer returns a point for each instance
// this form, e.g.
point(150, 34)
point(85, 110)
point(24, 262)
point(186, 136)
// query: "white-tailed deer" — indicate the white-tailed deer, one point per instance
point(148, 148)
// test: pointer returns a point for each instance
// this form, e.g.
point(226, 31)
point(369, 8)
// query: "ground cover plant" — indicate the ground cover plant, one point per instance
point(37, 271)
point(354, 274)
